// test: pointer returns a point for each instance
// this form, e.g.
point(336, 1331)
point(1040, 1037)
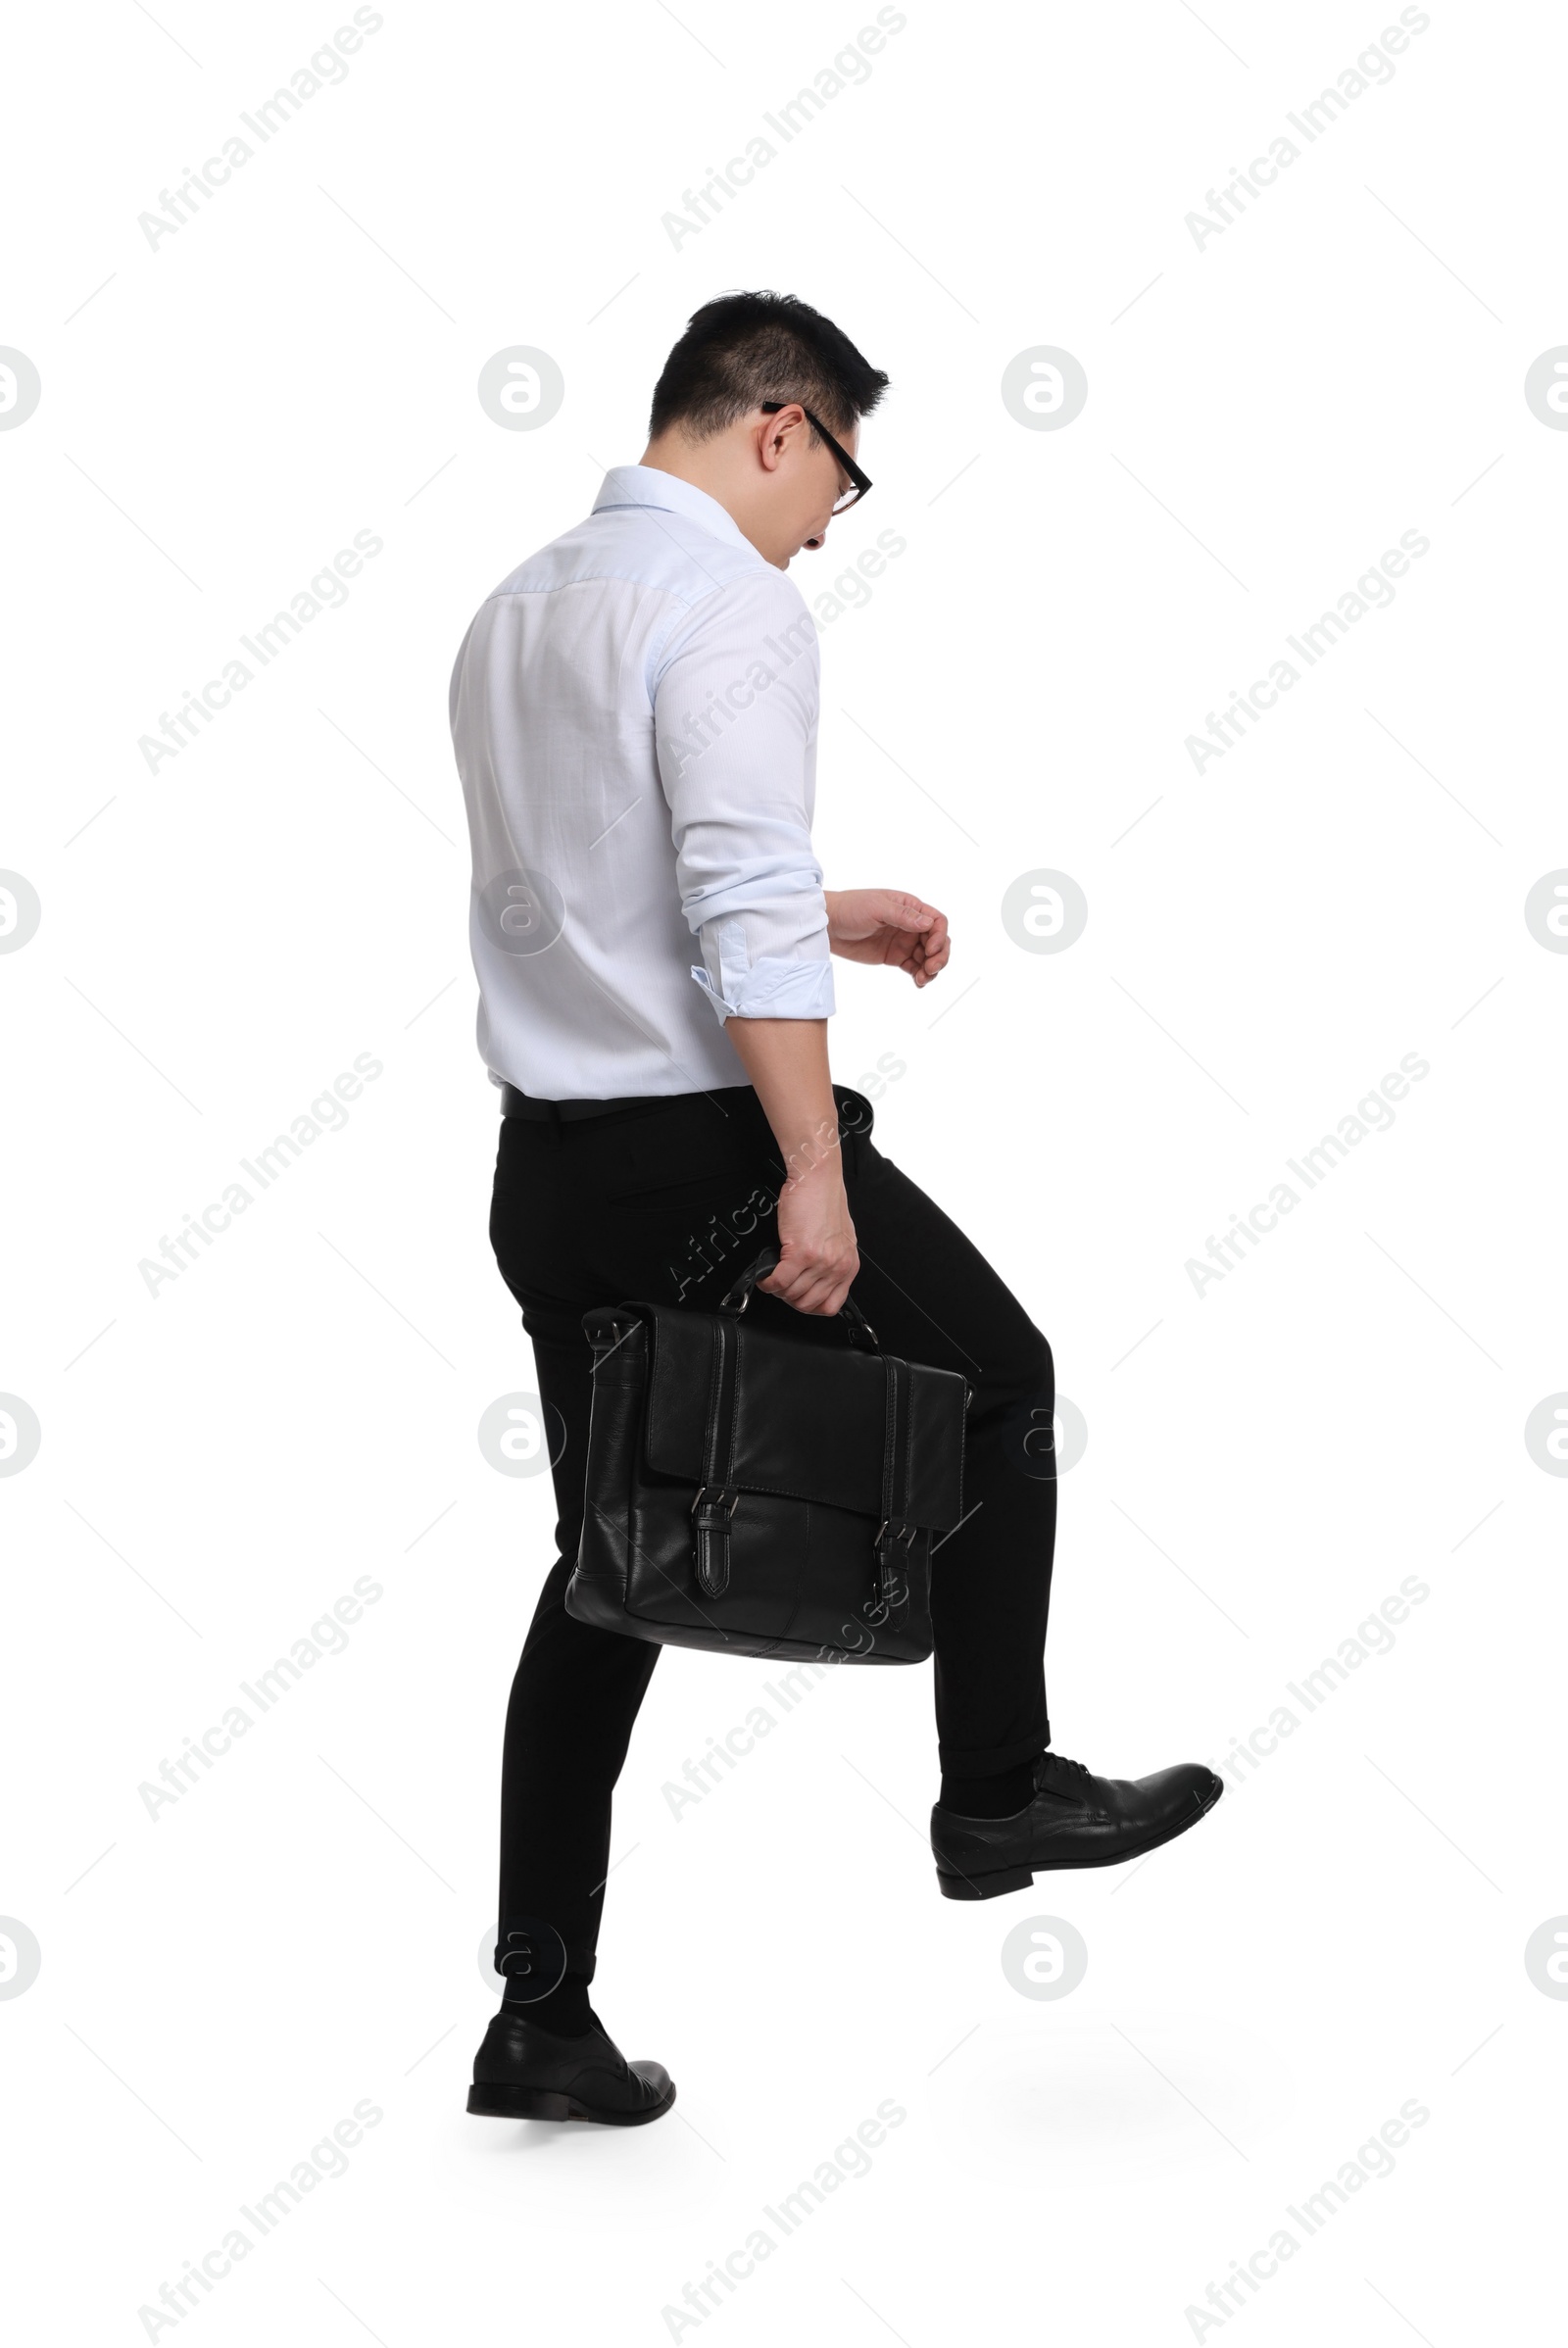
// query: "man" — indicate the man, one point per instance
point(635, 713)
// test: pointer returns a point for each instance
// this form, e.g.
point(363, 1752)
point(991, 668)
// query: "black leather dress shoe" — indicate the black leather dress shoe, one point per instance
point(1075, 1820)
point(525, 2072)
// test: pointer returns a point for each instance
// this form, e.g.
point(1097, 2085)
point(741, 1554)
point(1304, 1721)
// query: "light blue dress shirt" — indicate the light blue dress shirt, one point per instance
point(634, 715)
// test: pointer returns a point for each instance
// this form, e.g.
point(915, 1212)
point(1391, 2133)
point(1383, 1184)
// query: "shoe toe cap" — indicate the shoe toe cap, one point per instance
point(1170, 1792)
point(655, 2080)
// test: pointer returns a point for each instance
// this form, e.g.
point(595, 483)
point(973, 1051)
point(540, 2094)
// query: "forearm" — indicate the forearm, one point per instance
point(786, 1060)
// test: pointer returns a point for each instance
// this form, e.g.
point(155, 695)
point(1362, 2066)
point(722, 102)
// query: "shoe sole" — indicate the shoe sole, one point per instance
point(545, 2103)
point(1019, 1879)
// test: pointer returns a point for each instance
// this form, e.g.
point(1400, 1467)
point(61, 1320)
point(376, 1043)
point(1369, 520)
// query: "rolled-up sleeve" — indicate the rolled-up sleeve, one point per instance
point(735, 711)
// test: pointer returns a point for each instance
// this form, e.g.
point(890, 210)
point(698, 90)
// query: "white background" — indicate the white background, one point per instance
point(1266, 1461)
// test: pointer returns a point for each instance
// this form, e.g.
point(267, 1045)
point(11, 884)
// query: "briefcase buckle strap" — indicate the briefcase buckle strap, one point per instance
point(711, 1510)
point(896, 1530)
point(891, 1530)
point(714, 1503)
point(893, 1571)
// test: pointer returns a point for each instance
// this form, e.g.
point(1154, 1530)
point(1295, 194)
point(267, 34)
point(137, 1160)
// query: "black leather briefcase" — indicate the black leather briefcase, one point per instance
point(760, 1495)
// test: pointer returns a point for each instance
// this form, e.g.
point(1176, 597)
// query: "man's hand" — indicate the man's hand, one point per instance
point(817, 1255)
point(887, 925)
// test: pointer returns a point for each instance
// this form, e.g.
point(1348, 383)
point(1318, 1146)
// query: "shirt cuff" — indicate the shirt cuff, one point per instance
point(773, 989)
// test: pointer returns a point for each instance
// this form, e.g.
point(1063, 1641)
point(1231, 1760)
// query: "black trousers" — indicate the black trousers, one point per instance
point(669, 1200)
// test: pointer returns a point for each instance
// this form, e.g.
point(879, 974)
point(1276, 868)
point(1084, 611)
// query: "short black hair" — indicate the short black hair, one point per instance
point(745, 348)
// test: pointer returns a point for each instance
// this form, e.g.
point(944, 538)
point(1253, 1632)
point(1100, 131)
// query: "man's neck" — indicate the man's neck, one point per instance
point(700, 464)
point(710, 465)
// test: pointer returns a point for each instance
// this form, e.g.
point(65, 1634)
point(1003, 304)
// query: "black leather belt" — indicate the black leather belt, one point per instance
point(567, 1113)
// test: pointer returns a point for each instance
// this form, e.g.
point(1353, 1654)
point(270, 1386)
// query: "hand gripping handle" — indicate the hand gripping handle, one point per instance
point(856, 1328)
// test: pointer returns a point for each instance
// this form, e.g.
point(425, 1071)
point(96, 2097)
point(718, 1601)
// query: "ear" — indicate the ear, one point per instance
point(775, 434)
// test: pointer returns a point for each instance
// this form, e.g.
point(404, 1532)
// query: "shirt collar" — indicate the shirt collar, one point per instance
point(645, 485)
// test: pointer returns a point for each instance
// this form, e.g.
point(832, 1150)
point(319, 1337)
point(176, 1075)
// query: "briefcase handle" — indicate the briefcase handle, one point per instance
point(856, 1328)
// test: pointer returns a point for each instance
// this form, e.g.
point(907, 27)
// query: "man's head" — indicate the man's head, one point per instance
point(773, 472)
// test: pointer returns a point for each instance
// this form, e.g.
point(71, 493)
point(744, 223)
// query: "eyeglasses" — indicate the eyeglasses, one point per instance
point(859, 483)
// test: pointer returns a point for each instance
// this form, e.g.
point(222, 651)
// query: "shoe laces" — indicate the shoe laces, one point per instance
point(1062, 1762)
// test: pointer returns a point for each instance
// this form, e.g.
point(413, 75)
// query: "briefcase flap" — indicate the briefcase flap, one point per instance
point(810, 1421)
